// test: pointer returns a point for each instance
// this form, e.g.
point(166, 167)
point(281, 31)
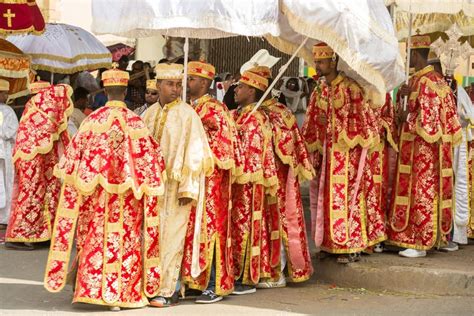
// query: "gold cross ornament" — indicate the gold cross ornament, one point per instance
point(9, 16)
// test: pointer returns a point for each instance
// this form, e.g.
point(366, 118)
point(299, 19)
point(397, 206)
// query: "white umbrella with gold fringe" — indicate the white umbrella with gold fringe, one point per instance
point(64, 49)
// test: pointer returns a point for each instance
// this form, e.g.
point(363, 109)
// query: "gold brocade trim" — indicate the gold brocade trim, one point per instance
point(389, 136)
point(87, 300)
point(53, 137)
point(312, 147)
point(402, 200)
point(152, 221)
point(100, 128)
point(447, 172)
point(88, 188)
point(407, 137)
point(345, 141)
point(377, 241)
point(255, 251)
point(27, 239)
point(275, 235)
point(70, 60)
point(71, 70)
point(456, 138)
point(378, 178)
point(61, 210)
point(257, 215)
point(406, 169)
point(343, 214)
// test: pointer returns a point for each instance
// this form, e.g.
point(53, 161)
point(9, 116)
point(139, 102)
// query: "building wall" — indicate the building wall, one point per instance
point(229, 54)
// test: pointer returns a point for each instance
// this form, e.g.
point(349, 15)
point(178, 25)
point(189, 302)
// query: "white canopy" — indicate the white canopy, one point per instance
point(431, 16)
point(434, 6)
point(194, 19)
point(63, 48)
point(361, 33)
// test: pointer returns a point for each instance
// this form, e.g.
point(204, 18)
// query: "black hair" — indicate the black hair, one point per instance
point(115, 91)
point(80, 93)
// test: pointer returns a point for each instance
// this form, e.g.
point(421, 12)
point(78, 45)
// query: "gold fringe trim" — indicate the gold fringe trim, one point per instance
point(315, 146)
point(72, 59)
point(71, 70)
point(339, 45)
point(88, 188)
point(455, 139)
point(389, 136)
point(346, 142)
point(99, 128)
point(53, 137)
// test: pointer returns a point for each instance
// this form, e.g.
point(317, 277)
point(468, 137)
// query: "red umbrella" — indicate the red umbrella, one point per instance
point(119, 50)
point(20, 17)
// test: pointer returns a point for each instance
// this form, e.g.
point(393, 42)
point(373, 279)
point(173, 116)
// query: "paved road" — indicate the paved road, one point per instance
point(22, 293)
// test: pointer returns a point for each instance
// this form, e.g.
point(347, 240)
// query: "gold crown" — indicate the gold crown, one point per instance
point(38, 85)
point(201, 69)
point(262, 71)
point(115, 77)
point(151, 84)
point(4, 85)
point(169, 71)
point(322, 51)
point(420, 41)
point(254, 80)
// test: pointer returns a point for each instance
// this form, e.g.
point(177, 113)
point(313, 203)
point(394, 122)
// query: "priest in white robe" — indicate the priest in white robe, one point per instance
point(188, 159)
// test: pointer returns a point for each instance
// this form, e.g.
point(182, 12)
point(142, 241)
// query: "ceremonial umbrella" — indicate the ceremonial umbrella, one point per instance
point(21, 16)
point(15, 68)
point(119, 50)
point(361, 33)
point(64, 49)
point(427, 16)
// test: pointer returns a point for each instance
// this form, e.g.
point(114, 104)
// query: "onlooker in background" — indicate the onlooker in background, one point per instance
point(151, 97)
point(293, 89)
point(136, 87)
point(81, 101)
point(123, 63)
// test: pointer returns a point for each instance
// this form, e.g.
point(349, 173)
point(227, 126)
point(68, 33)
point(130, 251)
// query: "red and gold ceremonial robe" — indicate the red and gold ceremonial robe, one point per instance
point(259, 178)
point(383, 155)
point(422, 211)
point(112, 178)
point(215, 224)
point(41, 138)
point(284, 213)
point(351, 214)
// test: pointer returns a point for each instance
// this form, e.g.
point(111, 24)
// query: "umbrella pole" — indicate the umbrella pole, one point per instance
point(407, 67)
point(280, 74)
point(185, 76)
point(52, 78)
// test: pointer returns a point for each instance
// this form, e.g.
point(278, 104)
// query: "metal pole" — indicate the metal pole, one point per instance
point(185, 76)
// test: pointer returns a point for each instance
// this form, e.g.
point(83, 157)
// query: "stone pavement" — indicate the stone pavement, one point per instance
point(22, 293)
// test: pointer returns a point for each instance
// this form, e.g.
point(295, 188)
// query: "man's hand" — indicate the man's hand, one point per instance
point(402, 116)
point(404, 90)
point(184, 201)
